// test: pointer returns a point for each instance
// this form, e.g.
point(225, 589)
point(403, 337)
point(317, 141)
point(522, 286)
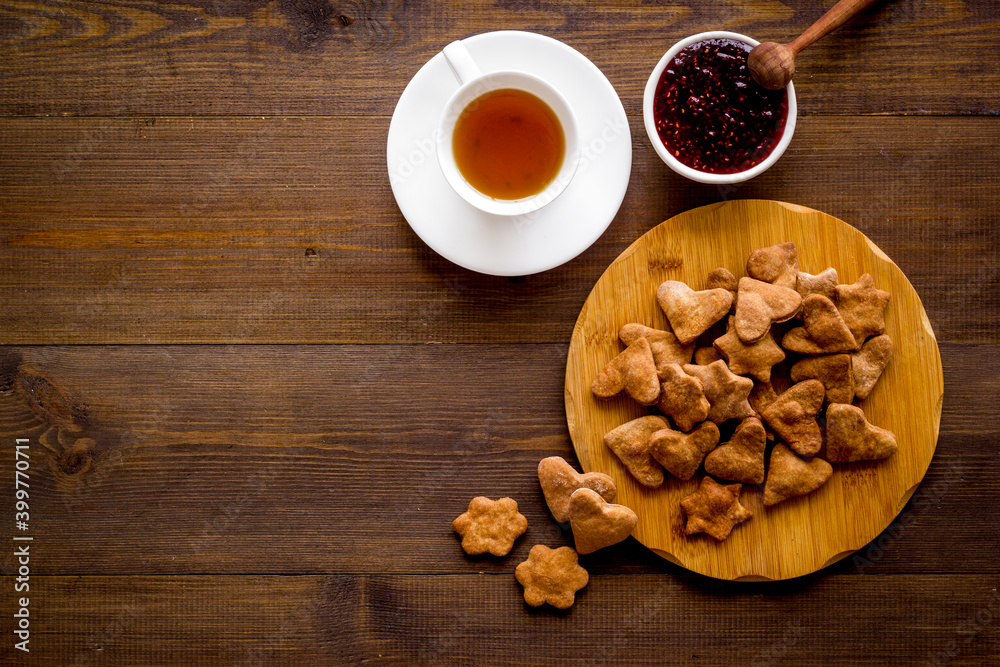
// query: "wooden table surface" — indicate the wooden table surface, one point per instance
point(254, 400)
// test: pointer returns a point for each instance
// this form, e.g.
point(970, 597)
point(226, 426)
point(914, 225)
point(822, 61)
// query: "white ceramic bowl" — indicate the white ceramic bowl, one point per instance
point(673, 162)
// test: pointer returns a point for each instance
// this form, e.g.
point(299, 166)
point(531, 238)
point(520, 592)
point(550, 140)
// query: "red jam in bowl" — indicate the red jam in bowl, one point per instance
point(711, 115)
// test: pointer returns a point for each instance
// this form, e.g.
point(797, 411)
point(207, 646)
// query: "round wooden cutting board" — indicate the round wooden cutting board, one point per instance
point(800, 535)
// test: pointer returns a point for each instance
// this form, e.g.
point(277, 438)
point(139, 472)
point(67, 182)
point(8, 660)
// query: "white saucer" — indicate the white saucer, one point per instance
point(521, 245)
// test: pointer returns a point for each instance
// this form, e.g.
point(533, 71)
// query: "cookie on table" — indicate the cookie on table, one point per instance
point(597, 523)
point(490, 526)
point(551, 576)
point(559, 480)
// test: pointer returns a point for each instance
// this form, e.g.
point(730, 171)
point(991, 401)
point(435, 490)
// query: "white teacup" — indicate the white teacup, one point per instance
point(474, 84)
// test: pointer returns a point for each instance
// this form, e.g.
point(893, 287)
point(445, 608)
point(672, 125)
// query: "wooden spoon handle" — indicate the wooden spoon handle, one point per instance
point(837, 16)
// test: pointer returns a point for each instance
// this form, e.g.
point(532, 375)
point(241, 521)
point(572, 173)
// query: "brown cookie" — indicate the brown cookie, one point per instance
point(793, 416)
point(682, 398)
point(664, 344)
point(682, 453)
point(596, 523)
point(869, 362)
point(760, 304)
point(722, 279)
point(742, 458)
point(727, 393)
point(788, 476)
point(551, 575)
point(777, 264)
point(691, 313)
point(849, 436)
point(823, 330)
point(763, 395)
point(703, 356)
point(714, 509)
point(754, 359)
point(630, 443)
point(863, 307)
point(558, 481)
point(633, 371)
point(833, 370)
point(824, 283)
point(490, 526)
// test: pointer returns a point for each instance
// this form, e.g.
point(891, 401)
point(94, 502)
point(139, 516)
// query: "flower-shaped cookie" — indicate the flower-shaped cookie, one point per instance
point(551, 575)
point(490, 526)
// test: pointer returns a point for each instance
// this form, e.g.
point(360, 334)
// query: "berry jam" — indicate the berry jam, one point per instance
point(711, 115)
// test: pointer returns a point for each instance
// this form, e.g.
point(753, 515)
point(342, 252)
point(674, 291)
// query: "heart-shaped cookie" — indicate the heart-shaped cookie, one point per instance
point(868, 364)
point(664, 344)
point(760, 304)
point(742, 458)
point(850, 437)
point(558, 481)
point(793, 416)
point(630, 443)
point(691, 313)
point(833, 370)
point(823, 331)
point(824, 283)
point(596, 523)
point(682, 453)
point(633, 371)
point(788, 476)
point(777, 264)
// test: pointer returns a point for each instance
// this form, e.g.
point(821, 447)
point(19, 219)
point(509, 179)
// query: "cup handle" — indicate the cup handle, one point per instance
point(460, 62)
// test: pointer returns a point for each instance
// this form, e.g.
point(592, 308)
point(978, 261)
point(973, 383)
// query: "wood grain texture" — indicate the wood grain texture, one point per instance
point(414, 620)
point(284, 230)
point(311, 57)
point(357, 458)
point(798, 536)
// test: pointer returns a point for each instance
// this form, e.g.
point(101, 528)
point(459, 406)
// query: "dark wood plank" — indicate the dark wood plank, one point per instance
point(466, 619)
point(289, 57)
point(357, 458)
point(284, 230)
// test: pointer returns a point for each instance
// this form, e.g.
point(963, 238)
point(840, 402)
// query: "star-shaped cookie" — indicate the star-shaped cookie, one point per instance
point(490, 526)
point(726, 393)
point(714, 509)
point(863, 307)
point(682, 398)
point(551, 575)
point(754, 359)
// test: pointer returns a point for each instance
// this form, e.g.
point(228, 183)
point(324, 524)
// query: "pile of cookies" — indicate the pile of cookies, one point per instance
point(585, 501)
point(779, 356)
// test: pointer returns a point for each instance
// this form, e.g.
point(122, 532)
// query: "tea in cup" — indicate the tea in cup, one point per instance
point(507, 141)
